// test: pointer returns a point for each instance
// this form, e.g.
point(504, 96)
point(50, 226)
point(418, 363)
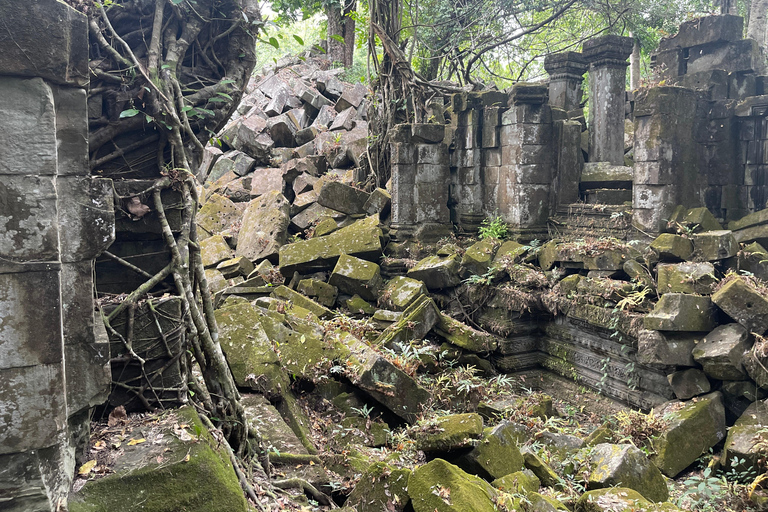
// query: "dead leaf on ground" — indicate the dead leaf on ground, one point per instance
point(134, 442)
point(87, 467)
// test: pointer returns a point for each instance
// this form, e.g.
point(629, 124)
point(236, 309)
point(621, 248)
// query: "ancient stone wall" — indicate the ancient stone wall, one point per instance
point(54, 220)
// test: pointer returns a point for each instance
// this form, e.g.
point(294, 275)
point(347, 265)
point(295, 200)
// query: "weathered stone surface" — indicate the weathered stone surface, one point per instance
point(747, 440)
point(541, 469)
point(690, 431)
point(323, 293)
point(380, 488)
point(379, 201)
point(414, 324)
point(437, 272)
point(357, 277)
point(264, 227)
point(753, 219)
point(384, 382)
point(265, 180)
point(686, 277)
point(618, 499)
point(714, 245)
point(671, 247)
point(519, 482)
point(285, 293)
point(217, 214)
point(710, 29)
point(495, 455)
point(681, 312)
point(689, 383)
point(464, 336)
point(449, 433)
point(361, 239)
point(628, 466)
point(214, 250)
point(755, 363)
point(248, 349)
point(478, 257)
point(457, 491)
point(342, 198)
point(240, 266)
point(171, 474)
point(401, 291)
point(721, 352)
point(743, 302)
point(352, 97)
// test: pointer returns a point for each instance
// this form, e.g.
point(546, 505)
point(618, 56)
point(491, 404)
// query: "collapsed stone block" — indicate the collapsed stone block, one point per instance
point(450, 433)
point(467, 492)
point(495, 455)
point(414, 324)
point(681, 312)
point(691, 431)
point(264, 227)
point(361, 239)
point(297, 299)
point(721, 352)
point(437, 272)
point(214, 250)
point(714, 245)
point(341, 197)
point(400, 292)
point(357, 277)
point(464, 336)
point(232, 268)
point(686, 278)
point(671, 247)
point(689, 383)
point(323, 293)
point(744, 303)
point(628, 466)
point(665, 348)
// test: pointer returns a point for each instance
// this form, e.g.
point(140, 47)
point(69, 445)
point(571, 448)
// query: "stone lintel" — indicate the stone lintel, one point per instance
point(608, 51)
point(565, 66)
point(709, 29)
point(528, 93)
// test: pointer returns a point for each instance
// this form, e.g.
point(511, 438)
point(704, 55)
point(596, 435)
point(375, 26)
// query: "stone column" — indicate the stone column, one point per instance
point(607, 58)
point(527, 161)
point(566, 73)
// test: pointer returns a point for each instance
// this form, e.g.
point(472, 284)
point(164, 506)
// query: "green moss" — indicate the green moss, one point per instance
point(519, 482)
point(204, 482)
point(619, 499)
point(381, 484)
point(443, 487)
point(450, 432)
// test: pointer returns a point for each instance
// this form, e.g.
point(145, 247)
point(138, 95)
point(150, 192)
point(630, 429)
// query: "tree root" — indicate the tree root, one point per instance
point(300, 483)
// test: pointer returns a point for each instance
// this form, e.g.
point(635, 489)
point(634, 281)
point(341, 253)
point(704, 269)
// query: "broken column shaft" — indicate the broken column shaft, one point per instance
point(566, 74)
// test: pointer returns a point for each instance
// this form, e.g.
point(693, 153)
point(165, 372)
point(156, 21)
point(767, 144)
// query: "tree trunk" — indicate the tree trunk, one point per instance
point(729, 7)
point(349, 33)
point(336, 48)
point(758, 22)
point(634, 67)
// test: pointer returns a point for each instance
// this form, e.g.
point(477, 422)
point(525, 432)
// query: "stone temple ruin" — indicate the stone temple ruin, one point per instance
point(685, 153)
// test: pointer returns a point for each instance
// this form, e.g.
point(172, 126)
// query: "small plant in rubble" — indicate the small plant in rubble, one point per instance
point(493, 228)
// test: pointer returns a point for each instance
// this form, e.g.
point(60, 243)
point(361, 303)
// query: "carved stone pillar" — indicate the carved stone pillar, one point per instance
point(566, 74)
point(607, 57)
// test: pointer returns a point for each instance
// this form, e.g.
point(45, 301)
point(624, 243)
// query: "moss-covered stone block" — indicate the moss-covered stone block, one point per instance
point(495, 455)
point(359, 306)
point(686, 277)
point(619, 499)
point(671, 247)
point(449, 433)
point(541, 469)
point(519, 482)
point(361, 239)
point(285, 293)
point(382, 487)
point(168, 475)
point(437, 272)
point(400, 292)
point(248, 349)
point(264, 227)
point(443, 487)
point(325, 227)
point(681, 312)
point(355, 276)
point(214, 250)
point(692, 428)
point(548, 255)
point(479, 256)
point(714, 245)
point(689, 383)
point(510, 251)
point(217, 214)
point(745, 303)
point(463, 336)
point(235, 267)
point(384, 382)
point(721, 352)
point(746, 445)
point(700, 219)
point(415, 323)
point(625, 465)
point(320, 291)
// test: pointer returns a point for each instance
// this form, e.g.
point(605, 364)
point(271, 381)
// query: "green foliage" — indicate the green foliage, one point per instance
point(703, 493)
point(494, 228)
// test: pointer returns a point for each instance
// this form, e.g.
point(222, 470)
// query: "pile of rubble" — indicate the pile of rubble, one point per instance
point(358, 356)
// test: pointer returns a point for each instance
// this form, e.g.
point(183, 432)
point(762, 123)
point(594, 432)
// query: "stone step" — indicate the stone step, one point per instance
point(584, 219)
point(610, 196)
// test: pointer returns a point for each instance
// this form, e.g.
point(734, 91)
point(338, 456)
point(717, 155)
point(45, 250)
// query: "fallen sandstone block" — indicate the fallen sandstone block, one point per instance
point(681, 312)
point(742, 301)
point(357, 277)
